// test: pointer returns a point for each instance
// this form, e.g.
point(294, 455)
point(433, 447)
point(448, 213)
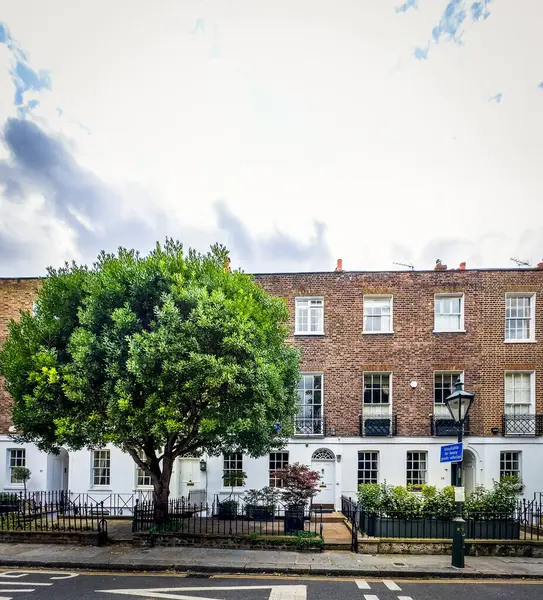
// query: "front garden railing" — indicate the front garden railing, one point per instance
point(228, 518)
point(49, 511)
point(523, 522)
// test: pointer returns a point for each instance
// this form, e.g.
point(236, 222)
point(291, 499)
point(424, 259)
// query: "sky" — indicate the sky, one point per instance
point(295, 133)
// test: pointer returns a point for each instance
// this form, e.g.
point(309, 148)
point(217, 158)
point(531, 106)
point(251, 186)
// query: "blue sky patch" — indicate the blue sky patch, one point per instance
point(497, 98)
point(24, 77)
point(479, 10)
point(422, 53)
point(406, 6)
point(540, 85)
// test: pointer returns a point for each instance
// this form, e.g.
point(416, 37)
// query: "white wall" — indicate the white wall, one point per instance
point(392, 465)
point(36, 461)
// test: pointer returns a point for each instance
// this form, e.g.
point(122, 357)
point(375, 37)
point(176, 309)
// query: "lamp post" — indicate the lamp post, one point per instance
point(459, 403)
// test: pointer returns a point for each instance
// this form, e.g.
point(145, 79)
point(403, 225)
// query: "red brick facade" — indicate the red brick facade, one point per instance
point(15, 295)
point(413, 352)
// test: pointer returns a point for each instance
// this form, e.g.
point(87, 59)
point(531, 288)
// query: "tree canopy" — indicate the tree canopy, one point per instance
point(160, 355)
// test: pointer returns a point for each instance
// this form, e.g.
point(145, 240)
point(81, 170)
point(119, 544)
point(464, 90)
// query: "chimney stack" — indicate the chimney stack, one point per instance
point(439, 266)
point(540, 265)
point(462, 266)
point(339, 266)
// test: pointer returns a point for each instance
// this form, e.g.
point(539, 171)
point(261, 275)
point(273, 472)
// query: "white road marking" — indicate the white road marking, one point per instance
point(19, 591)
point(22, 583)
point(392, 586)
point(363, 584)
point(370, 597)
point(405, 598)
point(6, 598)
point(277, 592)
point(17, 574)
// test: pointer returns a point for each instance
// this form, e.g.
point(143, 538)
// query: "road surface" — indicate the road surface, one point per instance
point(63, 585)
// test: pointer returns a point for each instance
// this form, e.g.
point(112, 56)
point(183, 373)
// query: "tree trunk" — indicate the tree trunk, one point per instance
point(161, 494)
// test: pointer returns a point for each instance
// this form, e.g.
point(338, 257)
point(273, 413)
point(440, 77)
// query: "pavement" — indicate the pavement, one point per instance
point(210, 560)
point(87, 585)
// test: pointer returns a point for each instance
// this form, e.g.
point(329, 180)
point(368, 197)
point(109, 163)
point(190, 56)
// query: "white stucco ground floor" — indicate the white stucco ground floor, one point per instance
point(343, 464)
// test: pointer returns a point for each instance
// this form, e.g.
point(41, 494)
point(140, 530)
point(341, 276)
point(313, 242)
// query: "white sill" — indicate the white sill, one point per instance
point(309, 333)
point(519, 341)
point(15, 487)
point(378, 332)
point(100, 488)
point(449, 331)
point(237, 490)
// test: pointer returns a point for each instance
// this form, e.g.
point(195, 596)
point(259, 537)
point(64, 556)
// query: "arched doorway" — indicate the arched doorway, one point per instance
point(469, 470)
point(324, 462)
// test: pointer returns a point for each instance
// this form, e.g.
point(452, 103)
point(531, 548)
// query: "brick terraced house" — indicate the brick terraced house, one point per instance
point(380, 353)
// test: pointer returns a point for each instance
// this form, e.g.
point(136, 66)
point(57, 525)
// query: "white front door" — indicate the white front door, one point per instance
point(190, 476)
point(327, 470)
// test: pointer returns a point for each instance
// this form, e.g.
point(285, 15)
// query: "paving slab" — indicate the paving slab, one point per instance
point(210, 560)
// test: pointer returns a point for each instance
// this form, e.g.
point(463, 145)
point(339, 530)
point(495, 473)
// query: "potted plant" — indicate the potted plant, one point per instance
point(228, 509)
point(260, 504)
point(299, 487)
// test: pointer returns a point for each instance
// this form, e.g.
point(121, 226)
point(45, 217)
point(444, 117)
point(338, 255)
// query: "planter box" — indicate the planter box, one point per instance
point(383, 527)
point(508, 529)
point(259, 513)
point(425, 528)
point(294, 520)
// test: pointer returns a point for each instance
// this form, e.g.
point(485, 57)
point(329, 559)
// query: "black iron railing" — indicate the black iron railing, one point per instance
point(49, 511)
point(378, 425)
point(115, 505)
point(524, 521)
point(523, 424)
point(447, 426)
point(304, 426)
point(230, 518)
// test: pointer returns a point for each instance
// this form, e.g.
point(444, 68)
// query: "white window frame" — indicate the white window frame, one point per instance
point(359, 470)
point(94, 467)
point(299, 299)
point(370, 297)
point(17, 463)
point(425, 470)
point(441, 410)
point(376, 410)
point(140, 473)
point(445, 296)
point(503, 472)
point(275, 482)
point(528, 427)
point(321, 418)
point(531, 337)
point(228, 460)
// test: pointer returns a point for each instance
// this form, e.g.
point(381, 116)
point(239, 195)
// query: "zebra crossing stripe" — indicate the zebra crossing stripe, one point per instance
point(362, 584)
point(392, 586)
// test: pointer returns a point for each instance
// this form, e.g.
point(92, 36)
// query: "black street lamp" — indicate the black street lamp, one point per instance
point(459, 403)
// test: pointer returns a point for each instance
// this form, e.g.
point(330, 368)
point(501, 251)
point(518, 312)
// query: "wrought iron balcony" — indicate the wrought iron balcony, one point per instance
point(308, 427)
point(443, 426)
point(382, 425)
point(523, 425)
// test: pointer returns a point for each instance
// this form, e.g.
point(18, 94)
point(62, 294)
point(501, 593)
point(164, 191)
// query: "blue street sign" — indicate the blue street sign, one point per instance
point(451, 453)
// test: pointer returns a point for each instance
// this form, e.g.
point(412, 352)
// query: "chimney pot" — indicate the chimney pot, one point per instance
point(439, 266)
point(339, 266)
point(462, 266)
point(540, 265)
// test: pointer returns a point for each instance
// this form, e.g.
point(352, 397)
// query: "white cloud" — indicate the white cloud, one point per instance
point(305, 112)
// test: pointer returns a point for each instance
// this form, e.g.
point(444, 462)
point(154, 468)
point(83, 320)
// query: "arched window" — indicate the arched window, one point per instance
point(323, 454)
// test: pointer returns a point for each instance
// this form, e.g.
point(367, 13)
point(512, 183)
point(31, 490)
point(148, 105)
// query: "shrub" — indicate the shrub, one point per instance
point(299, 484)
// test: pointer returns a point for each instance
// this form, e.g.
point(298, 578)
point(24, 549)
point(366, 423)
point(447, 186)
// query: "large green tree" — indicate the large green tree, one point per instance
point(159, 355)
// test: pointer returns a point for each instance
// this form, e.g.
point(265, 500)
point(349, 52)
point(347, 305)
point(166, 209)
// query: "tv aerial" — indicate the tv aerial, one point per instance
point(520, 263)
point(404, 265)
